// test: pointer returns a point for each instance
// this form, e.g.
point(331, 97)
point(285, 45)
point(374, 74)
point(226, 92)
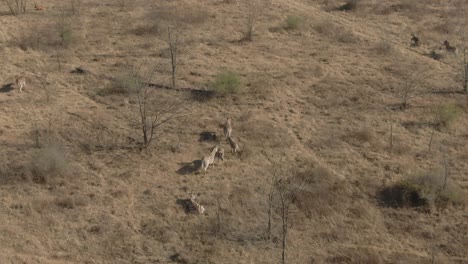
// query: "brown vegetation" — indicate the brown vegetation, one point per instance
point(97, 164)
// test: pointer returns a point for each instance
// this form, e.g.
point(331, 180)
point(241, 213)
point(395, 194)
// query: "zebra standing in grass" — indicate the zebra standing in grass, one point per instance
point(21, 81)
point(449, 48)
point(198, 208)
point(227, 129)
point(220, 154)
point(233, 144)
point(208, 160)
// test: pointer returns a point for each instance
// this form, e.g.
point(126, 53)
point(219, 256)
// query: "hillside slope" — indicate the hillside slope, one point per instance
point(323, 99)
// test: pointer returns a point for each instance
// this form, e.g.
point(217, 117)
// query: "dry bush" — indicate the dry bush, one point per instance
point(400, 147)
point(356, 256)
point(225, 83)
point(294, 22)
point(447, 115)
point(260, 87)
point(364, 136)
point(48, 163)
point(322, 193)
point(431, 188)
point(408, 5)
point(50, 35)
point(333, 31)
point(124, 84)
point(350, 5)
point(16, 7)
point(384, 47)
point(162, 16)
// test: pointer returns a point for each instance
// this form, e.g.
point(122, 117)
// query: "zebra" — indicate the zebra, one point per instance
point(414, 41)
point(198, 208)
point(208, 160)
point(21, 81)
point(220, 154)
point(233, 144)
point(227, 129)
point(449, 48)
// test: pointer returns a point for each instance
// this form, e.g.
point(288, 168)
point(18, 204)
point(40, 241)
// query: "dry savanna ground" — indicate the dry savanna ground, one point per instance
point(353, 142)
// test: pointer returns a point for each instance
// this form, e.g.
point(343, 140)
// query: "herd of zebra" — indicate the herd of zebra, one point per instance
point(216, 152)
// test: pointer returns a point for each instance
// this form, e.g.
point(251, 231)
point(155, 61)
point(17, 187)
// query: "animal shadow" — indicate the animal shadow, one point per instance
point(186, 204)
point(189, 168)
point(208, 136)
point(6, 88)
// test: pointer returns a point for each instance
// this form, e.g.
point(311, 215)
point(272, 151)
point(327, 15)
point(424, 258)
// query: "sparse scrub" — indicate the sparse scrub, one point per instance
point(294, 22)
point(153, 110)
point(431, 188)
point(225, 83)
point(167, 15)
point(64, 29)
point(301, 188)
point(75, 6)
point(366, 134)
point(264, 133)
point(384, 47)
point(124, 84)
point(333, 31)
point(261, 87)
point(48, 163)
point(350, 5)
point(447, 114)
point(16, 7)
point(409, 5)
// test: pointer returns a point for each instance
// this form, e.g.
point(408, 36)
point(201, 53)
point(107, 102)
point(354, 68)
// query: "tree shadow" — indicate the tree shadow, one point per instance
point(418, 124)
point(6, 88)
point(189, 168)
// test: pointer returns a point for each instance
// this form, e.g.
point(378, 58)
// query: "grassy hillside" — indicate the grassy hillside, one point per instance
point(316, 91)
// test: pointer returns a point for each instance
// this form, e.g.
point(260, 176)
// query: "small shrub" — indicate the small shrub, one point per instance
point(48, 163)
point(336, 32)
point(294, 22)
point(365, 134)
point(123, 85)
point(350, 5)
point(447, 114)
point(409, 5)
point(384, 47)
point(423, 190)
point(226, 82)
point(16, 7)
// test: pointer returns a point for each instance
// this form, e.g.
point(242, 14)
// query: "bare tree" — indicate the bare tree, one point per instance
point(411, 81)
point(288, 190)
point(75, 6)
point(284, 193)
point(16, 7)
point(153, 109)
point(64, 28)
point(173, 41)
point(252, 16)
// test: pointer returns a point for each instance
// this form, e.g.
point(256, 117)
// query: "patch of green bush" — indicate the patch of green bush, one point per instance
point(226, 82)
point(294, 22)
point(447, 114)
point(423, 190)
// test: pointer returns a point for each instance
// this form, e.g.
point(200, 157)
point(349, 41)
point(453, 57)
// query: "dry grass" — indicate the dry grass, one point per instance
point(336, 32)
point(322, 96)
point(49, 164)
